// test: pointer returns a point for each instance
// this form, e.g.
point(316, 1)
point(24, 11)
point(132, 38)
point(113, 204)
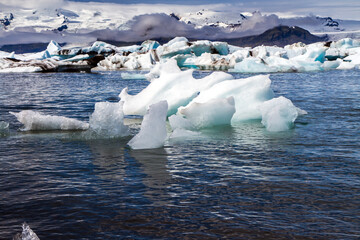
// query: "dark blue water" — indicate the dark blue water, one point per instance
point(238, 182)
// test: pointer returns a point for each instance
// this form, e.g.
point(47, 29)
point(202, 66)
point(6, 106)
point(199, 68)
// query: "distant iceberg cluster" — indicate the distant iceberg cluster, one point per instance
point(202, 55)
point(188, 104)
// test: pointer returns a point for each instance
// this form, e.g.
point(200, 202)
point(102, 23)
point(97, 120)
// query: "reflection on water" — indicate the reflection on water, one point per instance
point(157, 176)
point(108, 158)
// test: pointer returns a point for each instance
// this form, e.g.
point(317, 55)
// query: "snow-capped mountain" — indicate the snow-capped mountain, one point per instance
point(79, 22)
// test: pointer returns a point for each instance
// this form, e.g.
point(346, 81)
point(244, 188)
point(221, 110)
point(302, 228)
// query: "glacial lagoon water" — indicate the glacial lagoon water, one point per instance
point(238, 182)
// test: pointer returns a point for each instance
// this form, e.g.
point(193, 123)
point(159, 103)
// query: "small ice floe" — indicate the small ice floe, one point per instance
point(35, 121)
point(108, 120)
point(133, 76)
point(153, 128)
point(27, 234)
point(4, 128)
point(279, 114)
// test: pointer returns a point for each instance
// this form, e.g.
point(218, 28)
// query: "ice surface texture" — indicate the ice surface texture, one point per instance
point(178, 89)
point(33, 121)
point(108, 120)
point(27, 234)
point(279, 114)
point(204, 55)
point(153, 128)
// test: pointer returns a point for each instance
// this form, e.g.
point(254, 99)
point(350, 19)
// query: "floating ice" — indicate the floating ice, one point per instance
point(180, 133)
point(178, 89)
point(28, 69)
point(108, 120)
point(53, 48)
point(180, 122)
point(4, 125)
point(27, 234)
point(36, 121)
point(345, 43)
point(4, 128)
point(133, 76)
point(149, 45)
point(211, 113)
point(169, 66)
point(202, 54)
point(252, 65)
point(153, 128)
point(346, 65)
point(249, 94)
point(279, 114)
point(327, 65)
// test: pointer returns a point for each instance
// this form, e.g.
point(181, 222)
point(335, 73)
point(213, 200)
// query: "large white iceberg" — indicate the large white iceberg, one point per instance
point(178, 89)
point(249, 94)
point(208, 114)
point(34, 121)
point(153, 131)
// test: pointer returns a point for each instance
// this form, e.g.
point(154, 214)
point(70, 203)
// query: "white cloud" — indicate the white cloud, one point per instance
point(33, 3)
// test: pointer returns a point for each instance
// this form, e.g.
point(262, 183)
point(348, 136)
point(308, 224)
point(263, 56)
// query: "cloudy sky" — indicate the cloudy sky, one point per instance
point(345, 9)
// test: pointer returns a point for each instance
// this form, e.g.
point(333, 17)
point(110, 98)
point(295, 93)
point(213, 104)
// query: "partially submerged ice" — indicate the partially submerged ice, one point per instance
point(153, 131)
point(279, 114)
point(108, 120)
point(4, 126)
point(35, 121)
point(248, 94)
point(177, 88)
point(214, 112)
point(193, 104)
point(26, 234)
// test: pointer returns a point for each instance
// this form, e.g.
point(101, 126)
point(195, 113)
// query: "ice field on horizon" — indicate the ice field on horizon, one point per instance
point(202, 55)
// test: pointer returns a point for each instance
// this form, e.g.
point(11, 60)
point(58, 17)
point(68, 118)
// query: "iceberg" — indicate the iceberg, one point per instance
point(108, 120)
point(279, 114)
point(178, 89)
point(35, 121)
point(53, 48)
point(252, 65)
point(153, 131)
point(178, 121)
point(170, 66)
point(249, 94)
point(345, 43)
point(201, 54)
point(214, 112)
